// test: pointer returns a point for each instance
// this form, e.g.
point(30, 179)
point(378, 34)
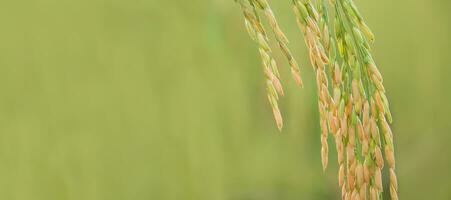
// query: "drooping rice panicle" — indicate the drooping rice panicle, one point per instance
point(354, 107)
point(257, 32)
point(358, 112)
point(307, 18)
point(367, 91)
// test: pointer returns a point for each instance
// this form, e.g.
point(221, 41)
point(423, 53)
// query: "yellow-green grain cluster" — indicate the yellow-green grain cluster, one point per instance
point(307, 19)
point(357, 113)
point(257, 32)
point(354, 107)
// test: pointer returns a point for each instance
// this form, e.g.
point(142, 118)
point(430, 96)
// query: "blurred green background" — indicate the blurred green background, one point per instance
point(115, 99)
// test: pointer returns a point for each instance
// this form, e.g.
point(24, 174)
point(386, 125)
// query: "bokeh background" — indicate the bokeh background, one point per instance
point(115, 99)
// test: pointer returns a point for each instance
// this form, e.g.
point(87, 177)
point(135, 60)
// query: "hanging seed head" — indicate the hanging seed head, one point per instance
point(353, 96)
point(257, 33)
